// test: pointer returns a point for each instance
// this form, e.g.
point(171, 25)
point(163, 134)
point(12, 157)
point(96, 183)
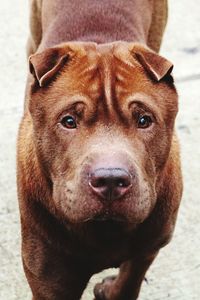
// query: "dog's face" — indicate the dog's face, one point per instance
point(103, 118)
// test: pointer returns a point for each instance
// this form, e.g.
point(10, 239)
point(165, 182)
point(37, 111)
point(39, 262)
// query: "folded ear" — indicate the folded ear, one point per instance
point(157, 66)
point(45, 65)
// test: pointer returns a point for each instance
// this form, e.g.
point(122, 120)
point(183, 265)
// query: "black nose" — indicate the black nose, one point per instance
point(111, 183)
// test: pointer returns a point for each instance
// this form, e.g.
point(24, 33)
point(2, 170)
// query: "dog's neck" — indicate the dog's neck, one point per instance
point(96, 21)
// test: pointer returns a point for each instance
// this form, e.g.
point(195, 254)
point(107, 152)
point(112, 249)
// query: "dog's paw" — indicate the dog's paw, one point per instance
point(102, 290)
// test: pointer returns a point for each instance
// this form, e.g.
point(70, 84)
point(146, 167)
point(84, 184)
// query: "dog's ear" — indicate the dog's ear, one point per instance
point(157, 66)
point(45, 65)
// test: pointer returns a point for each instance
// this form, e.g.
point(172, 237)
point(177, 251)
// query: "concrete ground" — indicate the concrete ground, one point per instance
point(176, 272)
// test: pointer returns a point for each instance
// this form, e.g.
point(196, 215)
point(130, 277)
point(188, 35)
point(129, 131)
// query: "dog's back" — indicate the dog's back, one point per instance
point(99, 21)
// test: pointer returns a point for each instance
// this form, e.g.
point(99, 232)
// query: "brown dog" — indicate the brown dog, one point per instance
point(99, 178)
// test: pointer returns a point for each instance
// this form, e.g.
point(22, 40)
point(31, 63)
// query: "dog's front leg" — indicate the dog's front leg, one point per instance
point(52, 274)
point(126, 285)
point(68, 286)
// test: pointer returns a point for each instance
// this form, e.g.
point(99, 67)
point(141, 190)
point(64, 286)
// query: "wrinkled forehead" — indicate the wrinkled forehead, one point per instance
point(110, 76)
point(108, 71)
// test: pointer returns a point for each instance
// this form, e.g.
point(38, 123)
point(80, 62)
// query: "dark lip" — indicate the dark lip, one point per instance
point(108, 217)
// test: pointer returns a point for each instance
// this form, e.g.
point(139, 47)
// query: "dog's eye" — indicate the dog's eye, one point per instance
point(69, 122)
point(144, 121)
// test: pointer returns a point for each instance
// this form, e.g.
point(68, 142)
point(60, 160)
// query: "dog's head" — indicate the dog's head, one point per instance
point(103, 118)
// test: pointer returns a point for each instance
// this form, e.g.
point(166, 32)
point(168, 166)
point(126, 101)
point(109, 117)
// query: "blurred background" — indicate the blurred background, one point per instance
point(176, 272)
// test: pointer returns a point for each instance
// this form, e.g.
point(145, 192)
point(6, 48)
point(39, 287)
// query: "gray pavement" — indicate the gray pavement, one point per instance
point(176, 272)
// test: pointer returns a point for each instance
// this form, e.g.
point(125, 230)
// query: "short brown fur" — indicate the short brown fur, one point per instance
point(70, 228)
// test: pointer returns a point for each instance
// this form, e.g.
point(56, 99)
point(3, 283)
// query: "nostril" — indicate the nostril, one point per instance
point(99, 182)
point(122, 182)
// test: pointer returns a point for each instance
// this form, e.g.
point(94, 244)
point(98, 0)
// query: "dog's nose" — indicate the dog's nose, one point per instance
point(110, 183)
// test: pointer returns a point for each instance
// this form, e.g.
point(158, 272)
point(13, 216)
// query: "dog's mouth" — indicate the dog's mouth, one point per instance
point(108, 222)
point(108, 217)
point(108, 228)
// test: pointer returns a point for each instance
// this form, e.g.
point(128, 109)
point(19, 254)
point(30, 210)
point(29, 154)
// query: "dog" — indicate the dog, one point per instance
point(98, 167)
